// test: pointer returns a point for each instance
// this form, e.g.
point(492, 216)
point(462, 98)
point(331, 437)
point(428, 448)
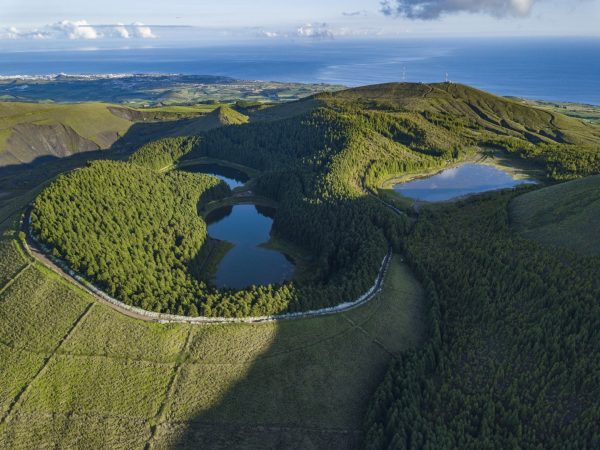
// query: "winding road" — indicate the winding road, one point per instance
point(37, 251)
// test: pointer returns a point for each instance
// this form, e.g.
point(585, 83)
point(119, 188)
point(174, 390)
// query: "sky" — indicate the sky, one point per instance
point(142, 22)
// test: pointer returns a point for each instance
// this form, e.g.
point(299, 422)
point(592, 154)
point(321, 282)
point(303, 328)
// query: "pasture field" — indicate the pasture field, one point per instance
point(76, 373)
point(590, 113)
point(10, 261)
point(565, 215)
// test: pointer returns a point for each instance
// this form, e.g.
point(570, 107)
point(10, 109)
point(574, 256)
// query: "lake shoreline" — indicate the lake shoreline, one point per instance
point(491, 164)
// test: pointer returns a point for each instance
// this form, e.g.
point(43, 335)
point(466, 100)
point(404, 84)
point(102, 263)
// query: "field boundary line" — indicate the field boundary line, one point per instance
point(373, 339)
point(21, 394)
point(10, 282)
point(159, 418)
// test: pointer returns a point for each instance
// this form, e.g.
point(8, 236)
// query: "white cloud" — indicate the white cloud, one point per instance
point(142, 31)
point(13, 33)
point(269, 34)
point(315, 31)
point(121, 31)
point(78, 29)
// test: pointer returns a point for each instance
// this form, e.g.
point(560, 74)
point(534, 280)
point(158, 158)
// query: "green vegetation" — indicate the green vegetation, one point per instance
point(511, 359)
point(164, 91)
point(131, 230)
point(565, 215)
point(10, 260)
point(221, 116)
point(317, 166)
point(162, 154)
point(32, 130)
point(509, 348)
point(590, 113)
point(105, 384)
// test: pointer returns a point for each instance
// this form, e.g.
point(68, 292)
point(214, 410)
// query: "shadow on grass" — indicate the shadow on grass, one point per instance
point(297, 384)
point(26, 175)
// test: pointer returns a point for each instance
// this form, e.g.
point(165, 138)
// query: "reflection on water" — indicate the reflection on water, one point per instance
point(457, 182)
point(247, 226)
point(233, 177)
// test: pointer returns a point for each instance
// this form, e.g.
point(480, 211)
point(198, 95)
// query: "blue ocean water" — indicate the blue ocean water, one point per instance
point(565, 69)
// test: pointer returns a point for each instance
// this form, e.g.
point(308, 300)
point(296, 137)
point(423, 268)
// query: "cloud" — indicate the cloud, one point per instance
point(142, 31)
point(78, 29)
point(315, 31)
point(268, 34)
point(13, 33)
point(433, 9)
point(121, 31)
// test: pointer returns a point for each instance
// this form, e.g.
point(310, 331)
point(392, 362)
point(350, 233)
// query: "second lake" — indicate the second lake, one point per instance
point(466, 179)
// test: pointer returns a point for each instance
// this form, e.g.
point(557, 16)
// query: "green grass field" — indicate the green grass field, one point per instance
point(78, 374)
point(566, 215)
point(25, 127)
point(590, 113)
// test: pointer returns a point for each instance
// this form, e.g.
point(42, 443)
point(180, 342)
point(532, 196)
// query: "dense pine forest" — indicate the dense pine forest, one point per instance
point(512, 357)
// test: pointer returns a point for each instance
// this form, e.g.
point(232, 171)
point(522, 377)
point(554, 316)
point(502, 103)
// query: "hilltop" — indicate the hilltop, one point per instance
point(222, 116)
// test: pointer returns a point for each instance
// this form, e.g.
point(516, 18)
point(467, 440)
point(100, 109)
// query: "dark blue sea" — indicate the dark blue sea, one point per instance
point(566, 69)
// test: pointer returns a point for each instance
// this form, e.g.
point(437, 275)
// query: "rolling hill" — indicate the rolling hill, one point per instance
point(32, 130)
point(28, 130)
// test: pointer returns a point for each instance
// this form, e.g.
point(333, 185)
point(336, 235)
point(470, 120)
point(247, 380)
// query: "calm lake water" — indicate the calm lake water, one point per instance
point(233, 177)
point(457, 182)
point(247, 226)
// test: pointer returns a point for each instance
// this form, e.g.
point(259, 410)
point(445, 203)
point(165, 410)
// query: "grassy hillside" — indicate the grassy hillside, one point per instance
point(318, 165)
point(448, 121)
point(589, 113)
point(32, 130)
point(565, 215)
point(490, 112)
point(221, 116)
point(78, 374)
point(29, 130)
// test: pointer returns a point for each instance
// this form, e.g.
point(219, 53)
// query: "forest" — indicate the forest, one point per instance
point(512, 356)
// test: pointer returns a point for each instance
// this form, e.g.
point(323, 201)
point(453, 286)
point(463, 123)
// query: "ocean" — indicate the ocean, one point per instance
point(566, 69)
